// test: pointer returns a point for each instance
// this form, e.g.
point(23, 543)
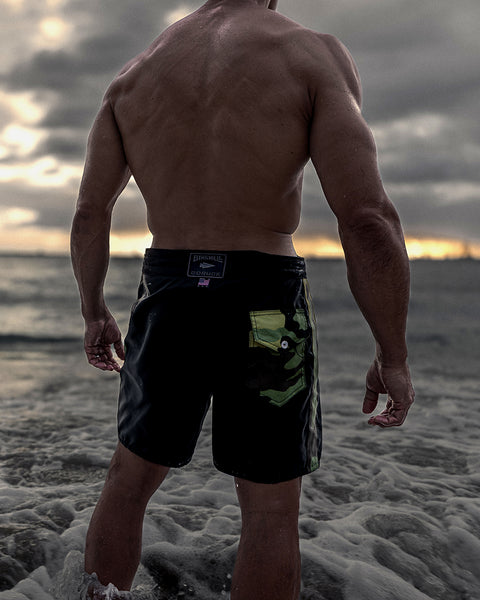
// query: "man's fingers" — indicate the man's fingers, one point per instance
point(102, 358)
point(374, 387)
point(370, 401)
point(394, 414)
point(104, 364)
point(396, 382)
point(100, 362)
point(100, 336)
point(386, 419)
point(119, 349)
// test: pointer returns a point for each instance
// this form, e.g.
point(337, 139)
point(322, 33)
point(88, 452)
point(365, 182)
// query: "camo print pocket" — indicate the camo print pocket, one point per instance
point(277, 354)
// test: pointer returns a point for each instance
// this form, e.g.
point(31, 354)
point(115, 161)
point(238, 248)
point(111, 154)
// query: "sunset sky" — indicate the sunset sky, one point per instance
point(420, 66)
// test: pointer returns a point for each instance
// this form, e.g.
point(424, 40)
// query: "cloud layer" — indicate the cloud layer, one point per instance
point(419, 67)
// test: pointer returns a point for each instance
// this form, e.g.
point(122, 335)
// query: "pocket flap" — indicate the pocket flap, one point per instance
point(268, 327)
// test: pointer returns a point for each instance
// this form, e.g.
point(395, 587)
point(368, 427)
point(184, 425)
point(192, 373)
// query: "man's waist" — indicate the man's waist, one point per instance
point(220, 264)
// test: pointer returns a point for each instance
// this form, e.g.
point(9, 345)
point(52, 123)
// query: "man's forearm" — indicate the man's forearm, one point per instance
point(379, 277)
point(90, 256)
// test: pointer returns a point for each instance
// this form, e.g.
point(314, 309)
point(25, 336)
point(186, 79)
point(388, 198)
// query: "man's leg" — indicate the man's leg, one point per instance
point(268, 559)
point(114, 538)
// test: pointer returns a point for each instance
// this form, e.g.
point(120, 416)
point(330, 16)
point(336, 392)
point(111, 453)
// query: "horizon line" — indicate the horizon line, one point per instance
point(138, 256)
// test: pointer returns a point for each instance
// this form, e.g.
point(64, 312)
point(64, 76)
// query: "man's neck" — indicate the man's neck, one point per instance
point(272, 4)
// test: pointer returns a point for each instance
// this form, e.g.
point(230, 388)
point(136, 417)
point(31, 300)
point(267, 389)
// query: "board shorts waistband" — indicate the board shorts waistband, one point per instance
point(237, 263)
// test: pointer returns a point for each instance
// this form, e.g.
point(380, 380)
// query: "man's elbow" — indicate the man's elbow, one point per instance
point(88, 209)
point(375, 218)
point(89, 219)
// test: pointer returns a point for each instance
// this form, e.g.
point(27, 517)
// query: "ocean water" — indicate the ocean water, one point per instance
point(389, 515)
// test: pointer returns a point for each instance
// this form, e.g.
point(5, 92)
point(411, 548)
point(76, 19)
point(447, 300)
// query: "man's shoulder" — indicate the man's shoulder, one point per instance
point(327, 57)
point(302, 35)
point(324, 46)
point(127, 76)
point(315, 44)
point(135, 67)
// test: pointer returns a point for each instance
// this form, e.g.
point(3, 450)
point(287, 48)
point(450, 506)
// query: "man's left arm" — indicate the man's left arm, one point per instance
point(105, 176)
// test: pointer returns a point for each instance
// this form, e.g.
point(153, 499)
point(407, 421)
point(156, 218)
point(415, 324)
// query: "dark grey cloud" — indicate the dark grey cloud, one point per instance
point(55, 206)
point(418, 165)
point(47, 70)
point(412, 55)
point(77, 75)
point(317, 217)
point(62, 144)
point(77, 113)
point(452, 155)
point(423, 216)
point(437, 81)
point(95, 56)
point(130, 214)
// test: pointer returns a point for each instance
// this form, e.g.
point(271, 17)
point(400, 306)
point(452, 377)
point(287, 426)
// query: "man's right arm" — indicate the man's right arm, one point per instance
point(105, 176)
point(344, 155)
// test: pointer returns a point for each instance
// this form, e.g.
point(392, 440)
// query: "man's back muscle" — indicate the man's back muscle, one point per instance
point(214, 118)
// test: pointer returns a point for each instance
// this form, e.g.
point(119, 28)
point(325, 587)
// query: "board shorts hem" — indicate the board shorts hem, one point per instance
point(272, 479)
point(145, 455)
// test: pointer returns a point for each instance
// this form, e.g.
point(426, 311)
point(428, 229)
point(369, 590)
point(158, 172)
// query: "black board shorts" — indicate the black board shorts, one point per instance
point(233, 329)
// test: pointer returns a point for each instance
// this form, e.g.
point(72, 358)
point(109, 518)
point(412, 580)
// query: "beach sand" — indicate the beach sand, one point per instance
point(390, 514)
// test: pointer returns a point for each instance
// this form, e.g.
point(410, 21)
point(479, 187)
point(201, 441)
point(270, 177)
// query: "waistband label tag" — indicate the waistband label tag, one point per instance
point(207, 265)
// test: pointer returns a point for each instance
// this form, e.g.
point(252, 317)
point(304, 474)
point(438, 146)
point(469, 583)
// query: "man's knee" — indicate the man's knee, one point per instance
point(280, 499)
point(136, 476)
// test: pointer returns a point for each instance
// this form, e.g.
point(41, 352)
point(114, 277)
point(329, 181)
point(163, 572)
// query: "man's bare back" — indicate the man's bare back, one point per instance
point(215, 122)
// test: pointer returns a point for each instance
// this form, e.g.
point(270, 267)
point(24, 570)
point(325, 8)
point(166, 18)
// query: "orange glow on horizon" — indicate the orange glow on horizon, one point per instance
point(18, 235)
point(432, 248)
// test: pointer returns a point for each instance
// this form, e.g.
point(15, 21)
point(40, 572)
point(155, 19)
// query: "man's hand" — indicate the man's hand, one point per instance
point(99, 337)
point(394, 381)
